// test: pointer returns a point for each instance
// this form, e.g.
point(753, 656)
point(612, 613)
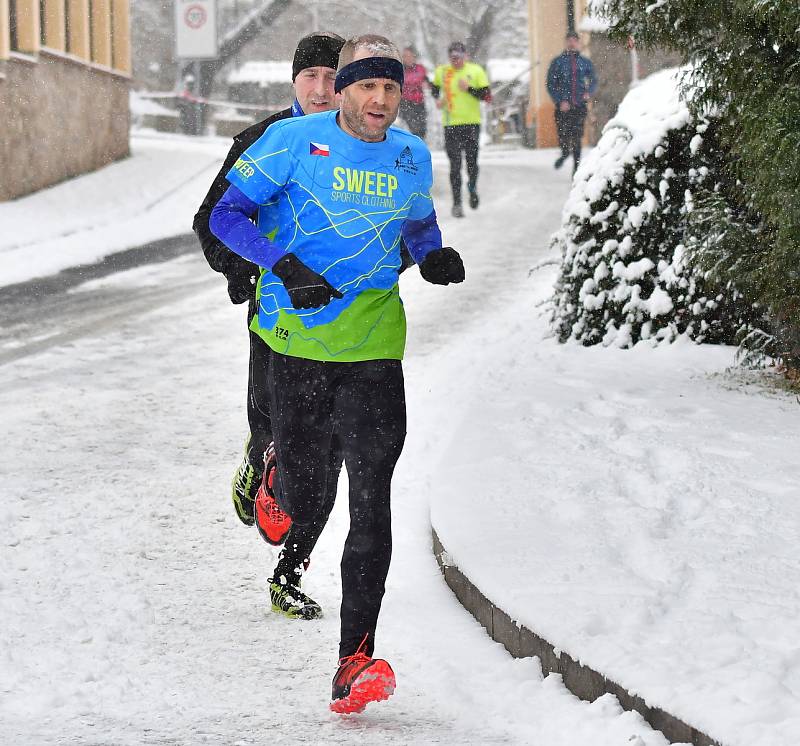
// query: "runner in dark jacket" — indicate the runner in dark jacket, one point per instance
point(240, 273)
point(571, 82)
point(313, 76)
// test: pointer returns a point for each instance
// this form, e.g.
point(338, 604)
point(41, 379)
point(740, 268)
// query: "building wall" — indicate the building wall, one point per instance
point(59, 118)
point(64, 79)
point(614, 66)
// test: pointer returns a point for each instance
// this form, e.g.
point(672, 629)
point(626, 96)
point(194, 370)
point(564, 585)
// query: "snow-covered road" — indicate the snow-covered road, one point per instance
point(133, 602)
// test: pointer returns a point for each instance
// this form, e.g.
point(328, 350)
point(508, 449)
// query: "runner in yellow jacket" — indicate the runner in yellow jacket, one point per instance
point(459, 87)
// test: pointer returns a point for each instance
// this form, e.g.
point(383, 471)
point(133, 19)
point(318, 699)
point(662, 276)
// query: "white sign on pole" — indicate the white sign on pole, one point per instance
point(195, 29)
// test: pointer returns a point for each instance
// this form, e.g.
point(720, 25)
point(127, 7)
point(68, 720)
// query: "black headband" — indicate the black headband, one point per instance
point(369, 67)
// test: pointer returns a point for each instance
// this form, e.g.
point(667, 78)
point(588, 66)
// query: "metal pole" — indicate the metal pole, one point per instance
point(570, 15)
point(197, 109)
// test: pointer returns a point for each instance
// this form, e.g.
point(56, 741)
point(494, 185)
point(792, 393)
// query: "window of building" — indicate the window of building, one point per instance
point(12, 9)
point(90, 3)
point(67, 26)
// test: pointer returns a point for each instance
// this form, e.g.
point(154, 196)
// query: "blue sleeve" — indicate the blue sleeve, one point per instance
point(551, 80)
point(264, 168)
point(422, 236)
point(420, 230)
point(230, 223)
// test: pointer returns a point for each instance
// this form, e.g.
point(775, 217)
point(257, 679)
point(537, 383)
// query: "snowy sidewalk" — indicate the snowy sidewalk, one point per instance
point(151, 195)
point(637, 509)
point(133, 602)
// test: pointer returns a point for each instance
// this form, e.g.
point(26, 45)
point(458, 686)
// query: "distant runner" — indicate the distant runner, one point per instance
point(459, 89)
point(571, 82)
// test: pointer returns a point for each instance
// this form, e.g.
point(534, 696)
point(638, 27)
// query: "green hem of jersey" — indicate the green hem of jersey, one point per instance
point(384, 339)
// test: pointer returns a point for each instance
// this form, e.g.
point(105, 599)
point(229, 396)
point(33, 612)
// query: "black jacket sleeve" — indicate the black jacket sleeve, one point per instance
point(219, 257)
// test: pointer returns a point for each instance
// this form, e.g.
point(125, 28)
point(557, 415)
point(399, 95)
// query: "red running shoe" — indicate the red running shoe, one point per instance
point(359, 681)
point(272, 523)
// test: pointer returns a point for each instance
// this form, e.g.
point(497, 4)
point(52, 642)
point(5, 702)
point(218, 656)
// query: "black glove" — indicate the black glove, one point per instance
point(242, 280)
point(442, 266)
point(306, 288)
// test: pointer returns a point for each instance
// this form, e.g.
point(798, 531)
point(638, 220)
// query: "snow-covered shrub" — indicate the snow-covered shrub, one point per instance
point(626, 274)
point(744, 54)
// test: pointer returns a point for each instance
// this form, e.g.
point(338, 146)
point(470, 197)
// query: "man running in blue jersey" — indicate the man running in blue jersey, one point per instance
point(342, 188)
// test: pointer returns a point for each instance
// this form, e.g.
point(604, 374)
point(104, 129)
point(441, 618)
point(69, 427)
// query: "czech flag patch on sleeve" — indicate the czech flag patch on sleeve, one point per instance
point(317, 148)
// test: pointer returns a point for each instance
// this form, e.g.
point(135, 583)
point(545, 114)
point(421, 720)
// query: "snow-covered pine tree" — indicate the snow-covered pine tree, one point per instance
point(626, 274)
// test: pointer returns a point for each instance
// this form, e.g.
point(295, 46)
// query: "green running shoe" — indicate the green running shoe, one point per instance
point(290, 601)
point(245, 485)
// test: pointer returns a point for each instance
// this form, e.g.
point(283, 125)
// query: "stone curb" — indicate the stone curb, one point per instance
point(581, 680)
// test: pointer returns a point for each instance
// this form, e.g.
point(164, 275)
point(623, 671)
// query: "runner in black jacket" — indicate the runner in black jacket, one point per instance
point(313, 75)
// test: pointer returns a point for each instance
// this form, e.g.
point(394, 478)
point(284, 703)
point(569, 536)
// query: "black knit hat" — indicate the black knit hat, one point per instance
point(320, 49)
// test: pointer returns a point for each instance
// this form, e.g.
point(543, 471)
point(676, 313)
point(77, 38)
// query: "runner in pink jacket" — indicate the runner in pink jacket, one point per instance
point(412, 105)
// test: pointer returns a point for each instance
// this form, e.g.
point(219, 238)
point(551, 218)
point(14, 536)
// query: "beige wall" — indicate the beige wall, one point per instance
point(613, 63)
point(59, 118)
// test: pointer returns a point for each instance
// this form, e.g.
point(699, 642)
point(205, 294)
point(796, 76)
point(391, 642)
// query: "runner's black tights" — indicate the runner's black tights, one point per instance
point(323, 412)
point(466, 138)
point(569, 127)
point(258, 398)
point(301, 540)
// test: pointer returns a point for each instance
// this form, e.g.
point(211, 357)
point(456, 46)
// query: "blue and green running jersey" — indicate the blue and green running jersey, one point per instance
point(339, 204)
